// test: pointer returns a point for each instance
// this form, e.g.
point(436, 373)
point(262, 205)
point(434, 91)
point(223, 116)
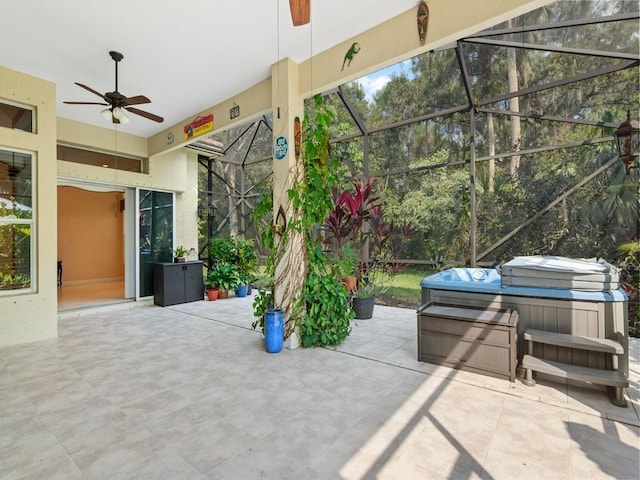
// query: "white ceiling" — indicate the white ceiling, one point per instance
point(184, 56)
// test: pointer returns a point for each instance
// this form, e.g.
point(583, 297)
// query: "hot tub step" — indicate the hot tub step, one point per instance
point(574, 341)
point(609, 378)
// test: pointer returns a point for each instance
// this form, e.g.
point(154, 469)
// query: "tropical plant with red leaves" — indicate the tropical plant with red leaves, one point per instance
point(357, 222)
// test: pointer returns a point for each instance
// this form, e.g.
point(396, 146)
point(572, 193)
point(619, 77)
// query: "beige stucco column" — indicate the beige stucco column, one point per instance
point(30, 316)
point(287, 173)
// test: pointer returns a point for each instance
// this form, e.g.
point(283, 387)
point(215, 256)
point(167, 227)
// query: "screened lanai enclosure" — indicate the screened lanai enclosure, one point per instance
point(501, 144)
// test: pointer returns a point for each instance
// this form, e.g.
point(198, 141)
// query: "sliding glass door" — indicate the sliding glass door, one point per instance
point(155, 223)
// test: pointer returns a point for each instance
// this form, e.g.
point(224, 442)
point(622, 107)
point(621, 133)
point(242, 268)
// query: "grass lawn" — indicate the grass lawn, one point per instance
point(405, 288)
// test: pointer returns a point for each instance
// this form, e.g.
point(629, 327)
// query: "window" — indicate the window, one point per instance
point(105, 160)
point(16, 222)
point(16, 116)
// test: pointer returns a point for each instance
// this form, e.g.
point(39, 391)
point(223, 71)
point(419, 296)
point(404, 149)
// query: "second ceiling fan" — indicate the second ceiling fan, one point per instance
point(117, 103)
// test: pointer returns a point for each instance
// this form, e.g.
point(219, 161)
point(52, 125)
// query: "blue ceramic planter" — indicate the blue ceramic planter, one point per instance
point(242, 290)
point(273, 330)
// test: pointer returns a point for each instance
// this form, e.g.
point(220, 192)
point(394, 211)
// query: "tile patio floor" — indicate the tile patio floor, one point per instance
point(188, 392)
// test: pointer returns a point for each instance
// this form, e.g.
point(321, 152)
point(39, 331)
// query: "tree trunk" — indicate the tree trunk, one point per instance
point(492, 151)
point(228, 171)
point(514, 106)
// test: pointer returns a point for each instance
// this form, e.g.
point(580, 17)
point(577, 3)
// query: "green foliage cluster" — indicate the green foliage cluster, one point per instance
point(223, 276)
point(323, 313)
point(233, 262)
point(15, 238)
point(630, 264)
point(328, 314)
point(263, 215)
point(423, 167)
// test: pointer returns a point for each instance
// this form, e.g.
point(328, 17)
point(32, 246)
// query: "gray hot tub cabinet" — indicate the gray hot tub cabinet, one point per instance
point(589, 314)
point(481, 340)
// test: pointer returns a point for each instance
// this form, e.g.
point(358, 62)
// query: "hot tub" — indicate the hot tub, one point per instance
point(600, 314)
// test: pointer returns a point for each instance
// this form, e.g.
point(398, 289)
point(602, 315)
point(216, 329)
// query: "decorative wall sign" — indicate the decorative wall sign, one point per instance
point(234, 112)
point(199, 126)
point(423, 20)
point(297, 137)
point(280, 147)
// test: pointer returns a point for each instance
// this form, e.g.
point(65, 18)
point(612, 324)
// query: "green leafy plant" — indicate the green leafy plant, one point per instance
point(245, 259)
point(222, 250)
point(323, 313)
point(630, 276)
point(224, 276)
point(262, 302)
point(357, 218)
point(327, 320)
point(180, 251)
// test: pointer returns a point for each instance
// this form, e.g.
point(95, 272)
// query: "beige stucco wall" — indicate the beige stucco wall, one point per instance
point(33, 316)
point(30, 317)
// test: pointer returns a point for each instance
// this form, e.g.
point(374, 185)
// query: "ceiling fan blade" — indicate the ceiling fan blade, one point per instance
point(93, 91)
point(137, 100)
point(144, 114)
point(86, 103)
point(300, 12)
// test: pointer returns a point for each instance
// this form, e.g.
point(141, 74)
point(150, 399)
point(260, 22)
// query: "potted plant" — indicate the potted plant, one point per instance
point(180, 254)
point(245, 262)
point(225, 276)
point(242, 289)
point(212, 287)
point(357, 218)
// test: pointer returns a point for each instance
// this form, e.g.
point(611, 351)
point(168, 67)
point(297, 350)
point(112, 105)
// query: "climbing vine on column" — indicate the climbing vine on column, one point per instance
point(321, 312)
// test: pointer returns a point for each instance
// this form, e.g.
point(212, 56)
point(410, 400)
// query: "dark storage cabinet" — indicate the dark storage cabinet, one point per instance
point(477, 339)
point(178, 283)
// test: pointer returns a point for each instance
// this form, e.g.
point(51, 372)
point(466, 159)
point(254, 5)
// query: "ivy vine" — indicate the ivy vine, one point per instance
point(323, 313)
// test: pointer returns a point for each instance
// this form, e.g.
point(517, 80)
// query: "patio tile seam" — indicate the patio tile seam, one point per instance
point(232, 324)
point(534, 398)
point(630, 422)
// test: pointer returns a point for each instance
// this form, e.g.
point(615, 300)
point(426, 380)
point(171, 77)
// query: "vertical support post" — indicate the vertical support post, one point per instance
point(472, 191)
point(209, 199)
point(243, 198)
point(288, 173)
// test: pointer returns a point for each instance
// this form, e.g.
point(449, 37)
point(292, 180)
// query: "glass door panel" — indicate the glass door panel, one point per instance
point(155, 216)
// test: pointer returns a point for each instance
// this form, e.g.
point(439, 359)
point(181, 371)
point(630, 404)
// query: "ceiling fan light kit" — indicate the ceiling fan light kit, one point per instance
point(119, 114)
point(117, 103)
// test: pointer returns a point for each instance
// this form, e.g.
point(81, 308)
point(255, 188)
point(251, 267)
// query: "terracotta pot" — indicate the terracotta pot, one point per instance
point(349, 283)
point(223, 294)
point(212, 294)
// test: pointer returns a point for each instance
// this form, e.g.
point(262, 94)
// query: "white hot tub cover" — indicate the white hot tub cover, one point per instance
point(590, 274)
